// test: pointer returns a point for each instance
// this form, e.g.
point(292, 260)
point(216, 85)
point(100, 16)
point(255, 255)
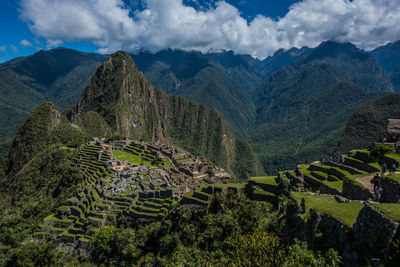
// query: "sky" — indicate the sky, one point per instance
point(255, 27)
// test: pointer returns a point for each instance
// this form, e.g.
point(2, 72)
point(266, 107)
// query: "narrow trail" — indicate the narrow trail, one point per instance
point(366, 182)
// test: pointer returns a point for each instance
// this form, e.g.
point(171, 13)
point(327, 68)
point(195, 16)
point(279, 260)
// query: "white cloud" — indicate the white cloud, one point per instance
point(169, 23)
point(25, 43)
point(3, 48)
point(50, 43)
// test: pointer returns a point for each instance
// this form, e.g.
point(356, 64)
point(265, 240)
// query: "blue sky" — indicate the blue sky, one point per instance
point(256, 27)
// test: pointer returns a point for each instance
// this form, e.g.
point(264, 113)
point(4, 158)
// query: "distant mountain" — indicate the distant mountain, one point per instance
point(245, 70)
point(57, 75)
point(194, 76)
point(389, 58)
point(259, 100)
point(224, 81)
point(280, 59)
point(303, 108)
point(368, 123)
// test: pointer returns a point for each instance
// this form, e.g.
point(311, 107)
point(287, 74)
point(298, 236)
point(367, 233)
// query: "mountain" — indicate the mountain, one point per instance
point(303, 107)
point(40, 173)
point(119, 101)
point(280, 59)
point(244, 70)
point(193, 76)
point(33, 136)
point(388, 57)
point(57, 75)
point(368, 123)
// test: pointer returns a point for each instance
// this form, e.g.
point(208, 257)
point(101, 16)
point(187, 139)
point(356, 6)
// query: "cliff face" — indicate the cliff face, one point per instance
point(121, 99)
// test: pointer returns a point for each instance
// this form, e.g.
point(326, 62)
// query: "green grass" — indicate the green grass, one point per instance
point(125, 156)
point(390, 210)
point(228, 185)
point(345, 212)
point(337, 184)
point(393, 177)
point(394, 156)
point(353, 178)
point(375, 164)
point(265, 180)
point(263, 193)
point(323, 174)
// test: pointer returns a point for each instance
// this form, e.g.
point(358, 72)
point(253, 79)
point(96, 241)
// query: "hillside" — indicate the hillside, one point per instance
point(303, 107)
point(368, 123)
point(388, 57)
point(57, 75)
point(119, 101)
point(193, 76)
point(280, 59)
point(256, 98)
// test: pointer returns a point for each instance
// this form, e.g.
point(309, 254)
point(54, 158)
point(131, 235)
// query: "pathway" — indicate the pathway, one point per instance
point(366, 182)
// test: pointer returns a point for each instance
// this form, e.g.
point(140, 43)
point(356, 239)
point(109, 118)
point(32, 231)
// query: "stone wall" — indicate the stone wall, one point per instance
point(355, 192)
point(373, 233)
point(390, 191)
point(360, 165)
point(324, 189)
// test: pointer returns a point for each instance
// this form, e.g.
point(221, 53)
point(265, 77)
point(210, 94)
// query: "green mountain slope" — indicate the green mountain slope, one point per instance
point(193, 76)
point(33, 136)
point(304, 106)
point(368, 123)
point(121, 102)
point(57, 75)
point(280, 59)
point(388, 57)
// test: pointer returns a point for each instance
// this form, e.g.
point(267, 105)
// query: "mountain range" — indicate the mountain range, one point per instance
point(291, 107)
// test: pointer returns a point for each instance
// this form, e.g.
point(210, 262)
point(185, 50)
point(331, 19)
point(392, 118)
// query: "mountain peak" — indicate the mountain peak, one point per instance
point(33, 135)
point(117, 84)
point(333, 49)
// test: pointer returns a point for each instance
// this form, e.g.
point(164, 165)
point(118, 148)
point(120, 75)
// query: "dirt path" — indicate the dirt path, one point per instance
point(366, 182)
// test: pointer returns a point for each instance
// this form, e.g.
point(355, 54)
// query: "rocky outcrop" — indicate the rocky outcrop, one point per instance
point(373, 232)
point(391, 190)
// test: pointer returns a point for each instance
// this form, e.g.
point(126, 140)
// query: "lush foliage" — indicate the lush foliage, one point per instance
point(235, 231)
point(368, 124)
point(30, 195)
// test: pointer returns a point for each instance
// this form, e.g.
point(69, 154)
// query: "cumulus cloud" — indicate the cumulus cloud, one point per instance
point(170, 24)
point(3, 48)
point(25, 43)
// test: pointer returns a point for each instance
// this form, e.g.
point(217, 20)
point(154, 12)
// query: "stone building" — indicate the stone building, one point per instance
point(393, 130)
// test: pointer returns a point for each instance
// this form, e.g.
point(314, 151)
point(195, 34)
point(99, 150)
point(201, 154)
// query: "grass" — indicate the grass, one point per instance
point(345, 212)
point(394, 156)
point(390, 210)
point(125, 156)
point(228, 185)
point(337, 184)
point(353, 178)
point(265, 180)
point(260, 192)
point(323, 174)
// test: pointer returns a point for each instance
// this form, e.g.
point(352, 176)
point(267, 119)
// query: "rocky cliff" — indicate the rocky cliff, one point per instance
point(122, 103)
